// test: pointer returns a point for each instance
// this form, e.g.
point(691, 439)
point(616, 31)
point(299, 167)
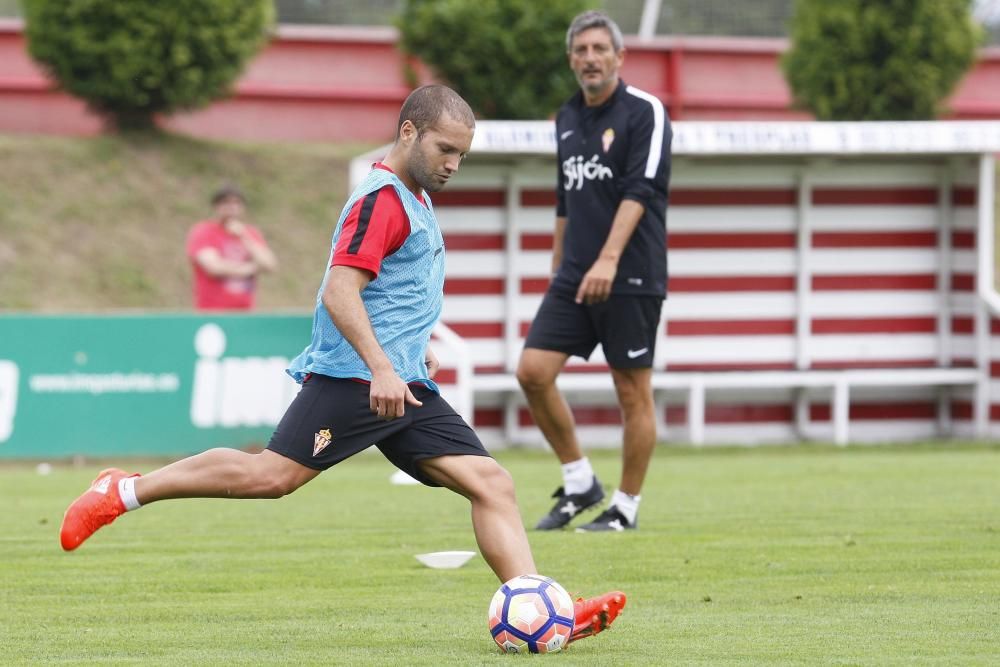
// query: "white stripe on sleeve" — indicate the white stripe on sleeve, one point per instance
point(656, 141)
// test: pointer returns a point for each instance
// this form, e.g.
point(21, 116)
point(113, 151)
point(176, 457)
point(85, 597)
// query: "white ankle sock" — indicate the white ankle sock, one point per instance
point(626, 504)
point(578, 476)
point(126, 490)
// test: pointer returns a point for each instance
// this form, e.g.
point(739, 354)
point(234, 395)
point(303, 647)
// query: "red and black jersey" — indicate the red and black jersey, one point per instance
point(375, 227)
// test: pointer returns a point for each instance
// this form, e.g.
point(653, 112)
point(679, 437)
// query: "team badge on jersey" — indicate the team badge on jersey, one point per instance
point(607, 139)
point(321, 440)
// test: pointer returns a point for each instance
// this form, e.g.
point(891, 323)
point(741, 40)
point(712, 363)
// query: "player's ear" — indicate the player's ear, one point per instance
point(407, 132)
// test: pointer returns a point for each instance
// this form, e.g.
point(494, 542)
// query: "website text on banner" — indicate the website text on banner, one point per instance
point(142, 385)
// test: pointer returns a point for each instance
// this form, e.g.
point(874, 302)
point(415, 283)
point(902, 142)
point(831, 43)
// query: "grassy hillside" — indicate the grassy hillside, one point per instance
point(100, 223)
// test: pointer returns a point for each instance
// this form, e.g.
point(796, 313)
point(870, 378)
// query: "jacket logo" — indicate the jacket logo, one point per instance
point(607, 139)
point(577, 171)
point(321, 440)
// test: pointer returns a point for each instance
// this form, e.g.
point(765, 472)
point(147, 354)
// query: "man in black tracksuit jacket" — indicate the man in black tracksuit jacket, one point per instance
point(609, 269)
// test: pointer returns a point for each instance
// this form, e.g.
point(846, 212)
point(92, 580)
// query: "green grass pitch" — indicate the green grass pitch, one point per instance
point(800, 555)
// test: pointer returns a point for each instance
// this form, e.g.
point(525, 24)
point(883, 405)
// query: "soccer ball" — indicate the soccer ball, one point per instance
point(531, 613)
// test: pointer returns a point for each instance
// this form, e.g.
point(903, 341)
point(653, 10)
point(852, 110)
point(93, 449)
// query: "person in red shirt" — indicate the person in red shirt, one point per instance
point(227, 255)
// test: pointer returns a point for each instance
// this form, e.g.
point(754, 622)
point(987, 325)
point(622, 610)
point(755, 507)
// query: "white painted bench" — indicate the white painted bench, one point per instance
point(839, 381)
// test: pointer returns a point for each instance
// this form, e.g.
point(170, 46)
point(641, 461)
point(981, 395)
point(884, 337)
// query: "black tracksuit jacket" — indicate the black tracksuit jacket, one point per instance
point(619, 150)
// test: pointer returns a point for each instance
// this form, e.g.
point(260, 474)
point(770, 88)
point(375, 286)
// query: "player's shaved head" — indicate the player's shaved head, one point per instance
point(425, 106)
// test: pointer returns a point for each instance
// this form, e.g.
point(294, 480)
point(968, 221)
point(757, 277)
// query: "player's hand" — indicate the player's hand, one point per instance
point(388, 395)
point(432, 363)
point(236, 227)
point(596, 284)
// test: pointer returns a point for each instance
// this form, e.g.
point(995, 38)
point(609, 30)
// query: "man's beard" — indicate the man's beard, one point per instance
point(422, 174)
point(593, 88)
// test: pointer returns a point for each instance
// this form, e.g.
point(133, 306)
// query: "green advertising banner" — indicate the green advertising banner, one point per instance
point(143, 384)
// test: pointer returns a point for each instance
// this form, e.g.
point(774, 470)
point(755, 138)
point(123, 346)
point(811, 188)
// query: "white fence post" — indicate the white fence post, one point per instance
point(463, 370)
point(841, 410)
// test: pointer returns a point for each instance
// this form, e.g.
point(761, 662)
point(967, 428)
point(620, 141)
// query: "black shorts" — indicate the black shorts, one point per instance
point(330, 420)
point(625, 326)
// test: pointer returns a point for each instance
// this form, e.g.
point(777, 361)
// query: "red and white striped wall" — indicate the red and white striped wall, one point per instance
point(779, 260)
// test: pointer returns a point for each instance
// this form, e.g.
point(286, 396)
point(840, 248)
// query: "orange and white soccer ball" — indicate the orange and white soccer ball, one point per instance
point(531, 613)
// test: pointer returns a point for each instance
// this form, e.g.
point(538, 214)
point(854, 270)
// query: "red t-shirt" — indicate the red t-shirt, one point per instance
point(211, 292)
point(375, 227)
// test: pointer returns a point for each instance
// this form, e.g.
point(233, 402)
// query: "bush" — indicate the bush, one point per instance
point(885, 60)
point(131, 60)
point(507, 58)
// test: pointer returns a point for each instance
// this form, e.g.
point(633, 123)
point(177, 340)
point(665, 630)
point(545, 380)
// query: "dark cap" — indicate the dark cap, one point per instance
point(226, 191)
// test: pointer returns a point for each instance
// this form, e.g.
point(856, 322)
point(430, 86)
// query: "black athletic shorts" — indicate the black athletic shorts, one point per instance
point(625, 326)
point(330, 420)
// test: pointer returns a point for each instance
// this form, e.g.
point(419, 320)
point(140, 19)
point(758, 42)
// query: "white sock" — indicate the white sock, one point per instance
point(126, 490)
point(626, 504)
point(578, 476)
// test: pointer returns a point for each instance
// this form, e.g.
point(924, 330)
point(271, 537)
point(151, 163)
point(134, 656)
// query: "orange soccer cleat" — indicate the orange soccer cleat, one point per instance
point(98, 506)
point(595, 615)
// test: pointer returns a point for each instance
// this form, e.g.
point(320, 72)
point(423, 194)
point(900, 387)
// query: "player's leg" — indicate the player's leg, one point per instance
point(560, 329)
point(628, 336)
point(216, 473)
point(326, 409)
point(635, 395)
point(500, 532)
point(537, 371)
point(224, 473)
point(439, 448)
point(496, 519)
point(294, 457)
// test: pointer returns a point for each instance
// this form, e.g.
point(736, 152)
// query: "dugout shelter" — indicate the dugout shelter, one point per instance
point(829, 281)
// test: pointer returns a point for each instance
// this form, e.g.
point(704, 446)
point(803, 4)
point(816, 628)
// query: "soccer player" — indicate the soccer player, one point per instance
point(609, 265)
point(367, 375)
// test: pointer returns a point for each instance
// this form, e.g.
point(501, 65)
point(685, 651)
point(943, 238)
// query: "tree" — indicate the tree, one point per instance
point(507, 58)
point(132, 60)
point(878, 59)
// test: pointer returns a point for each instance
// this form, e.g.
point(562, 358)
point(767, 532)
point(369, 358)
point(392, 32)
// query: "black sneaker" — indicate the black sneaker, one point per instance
point(609, 520)
point(570, 505)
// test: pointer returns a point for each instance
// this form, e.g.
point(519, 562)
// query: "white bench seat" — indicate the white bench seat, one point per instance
point(840, 381)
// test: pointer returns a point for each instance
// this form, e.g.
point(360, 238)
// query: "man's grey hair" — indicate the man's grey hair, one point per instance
point(594, 19)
